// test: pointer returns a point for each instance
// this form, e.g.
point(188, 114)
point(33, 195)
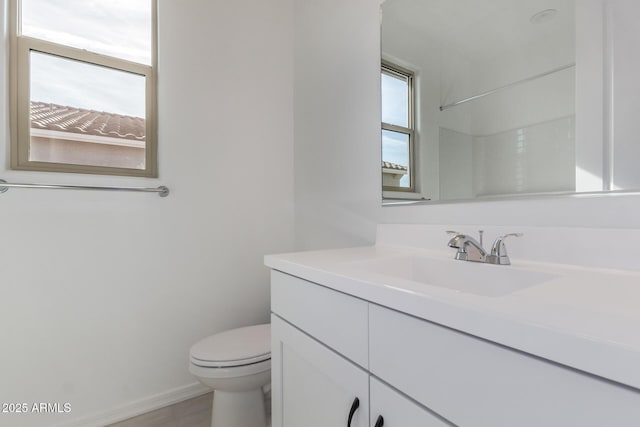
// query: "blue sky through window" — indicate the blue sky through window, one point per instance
point(395, 100)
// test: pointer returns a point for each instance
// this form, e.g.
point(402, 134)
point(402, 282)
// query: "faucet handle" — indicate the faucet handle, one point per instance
point(457, 233)
point(513, 235)
point(510, 235)
point(499, 250)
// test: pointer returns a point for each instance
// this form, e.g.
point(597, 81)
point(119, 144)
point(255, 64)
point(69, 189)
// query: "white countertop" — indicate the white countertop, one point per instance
point(585, 318)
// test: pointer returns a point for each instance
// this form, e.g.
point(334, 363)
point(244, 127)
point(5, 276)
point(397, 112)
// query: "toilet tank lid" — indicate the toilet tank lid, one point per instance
point(251, 343)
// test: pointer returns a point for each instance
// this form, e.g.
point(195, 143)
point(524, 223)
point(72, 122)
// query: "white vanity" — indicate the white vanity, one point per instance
point(394, 336)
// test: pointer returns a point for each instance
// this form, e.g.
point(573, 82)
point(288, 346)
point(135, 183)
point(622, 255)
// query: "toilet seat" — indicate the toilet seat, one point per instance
point(232, 371)
point(234, 348)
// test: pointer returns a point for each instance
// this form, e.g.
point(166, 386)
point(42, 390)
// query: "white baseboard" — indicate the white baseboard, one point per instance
point(138, 407)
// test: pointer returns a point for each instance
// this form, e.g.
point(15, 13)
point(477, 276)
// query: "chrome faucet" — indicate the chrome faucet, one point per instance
point(469, 249)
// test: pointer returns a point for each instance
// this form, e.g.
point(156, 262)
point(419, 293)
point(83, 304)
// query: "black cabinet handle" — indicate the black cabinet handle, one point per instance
point(354, 407)
point(379, 421)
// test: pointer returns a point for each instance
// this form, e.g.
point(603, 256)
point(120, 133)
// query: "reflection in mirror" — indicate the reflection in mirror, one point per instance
point(397, 129)
point(494, 85)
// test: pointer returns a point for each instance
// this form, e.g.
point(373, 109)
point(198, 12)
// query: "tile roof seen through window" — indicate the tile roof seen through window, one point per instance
point(86, 122)
point(394, 166)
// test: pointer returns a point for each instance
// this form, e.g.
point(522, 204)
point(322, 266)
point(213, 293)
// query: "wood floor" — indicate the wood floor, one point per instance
point(195, 412)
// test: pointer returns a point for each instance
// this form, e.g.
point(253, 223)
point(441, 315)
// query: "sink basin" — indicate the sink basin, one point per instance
point(462, 276)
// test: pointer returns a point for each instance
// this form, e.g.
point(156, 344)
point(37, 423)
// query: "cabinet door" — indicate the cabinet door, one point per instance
point(397, 410)
point(311, 385)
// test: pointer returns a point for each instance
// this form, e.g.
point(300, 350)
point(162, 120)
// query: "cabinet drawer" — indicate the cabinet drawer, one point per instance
point(337, 320)
point(397, 410)
point(472, 382)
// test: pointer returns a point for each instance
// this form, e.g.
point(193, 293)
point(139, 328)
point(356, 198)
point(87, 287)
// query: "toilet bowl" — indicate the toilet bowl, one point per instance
point(236, 364)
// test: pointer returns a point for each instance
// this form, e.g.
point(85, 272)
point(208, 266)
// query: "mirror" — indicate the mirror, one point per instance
point(479, 100)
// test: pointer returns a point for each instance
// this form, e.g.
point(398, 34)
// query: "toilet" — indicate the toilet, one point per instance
point(236, 364)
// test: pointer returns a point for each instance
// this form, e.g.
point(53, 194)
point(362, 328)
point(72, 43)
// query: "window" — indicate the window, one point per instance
point(397, 129)
point(83, 86)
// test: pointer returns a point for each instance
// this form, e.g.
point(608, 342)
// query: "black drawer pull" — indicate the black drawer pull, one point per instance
point(379, 421)
point(354, 407)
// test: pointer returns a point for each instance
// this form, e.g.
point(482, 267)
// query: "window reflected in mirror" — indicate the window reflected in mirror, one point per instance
point(398, 134)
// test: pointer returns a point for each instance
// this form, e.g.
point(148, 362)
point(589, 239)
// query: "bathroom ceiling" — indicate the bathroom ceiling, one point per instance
point(482, 27)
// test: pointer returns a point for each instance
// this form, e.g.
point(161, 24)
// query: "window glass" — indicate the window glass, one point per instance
point(395, 99)
point(83, 85)
point(118, 28)
point(396, 156)
point(85, 114)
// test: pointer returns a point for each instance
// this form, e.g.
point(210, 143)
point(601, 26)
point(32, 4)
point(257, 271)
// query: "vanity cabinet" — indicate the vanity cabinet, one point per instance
point(473, 382)
point(318, 339)
point(320, 359)
point(398, 411)
point(313, 386)
point(339, 321)
point(329, 348)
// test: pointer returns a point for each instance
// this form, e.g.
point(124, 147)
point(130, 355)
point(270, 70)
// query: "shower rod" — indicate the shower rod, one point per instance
point(162, 190)
point(491, 92)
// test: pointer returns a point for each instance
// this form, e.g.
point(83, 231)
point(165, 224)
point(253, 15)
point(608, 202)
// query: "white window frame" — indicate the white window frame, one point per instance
point(21, 47)
point(391, 68)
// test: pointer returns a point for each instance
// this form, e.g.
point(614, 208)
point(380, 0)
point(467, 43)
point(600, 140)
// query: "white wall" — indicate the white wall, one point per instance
point(102, 294)
point(355, 203)
point(337, 122)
